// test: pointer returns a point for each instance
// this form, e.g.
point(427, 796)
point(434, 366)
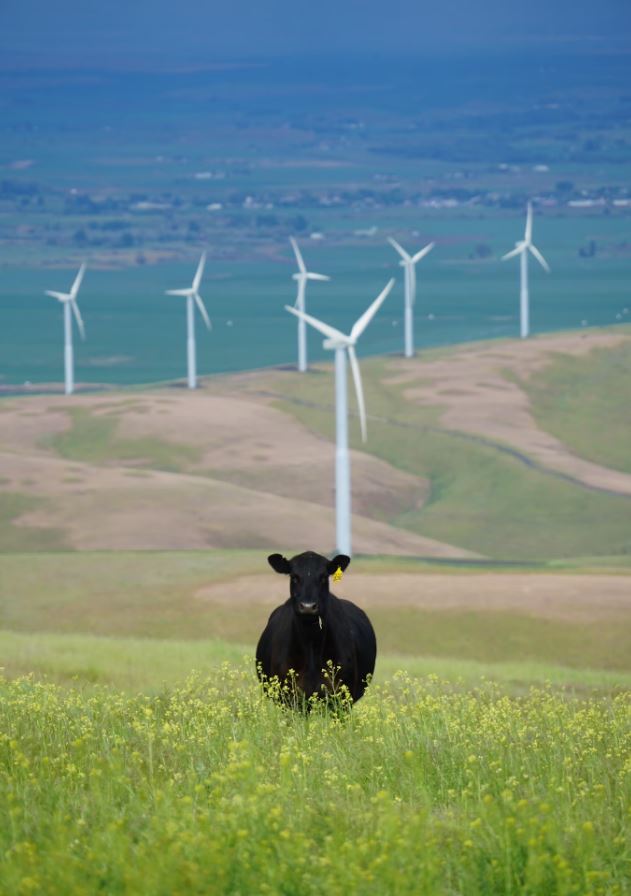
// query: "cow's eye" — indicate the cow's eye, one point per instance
point(295, 580)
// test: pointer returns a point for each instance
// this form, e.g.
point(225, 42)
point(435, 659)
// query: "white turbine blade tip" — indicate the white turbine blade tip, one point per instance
point(77, 280)
point(352, 357)
point(423, 252)
point(360, 325)
point(298, 254)
point(528, 234)
point(199, 272)
point(544, 264)
point(202, 310)
point(78, 318)
point(311, 276)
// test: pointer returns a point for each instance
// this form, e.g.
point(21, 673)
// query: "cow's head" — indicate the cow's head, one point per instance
point(309, 580)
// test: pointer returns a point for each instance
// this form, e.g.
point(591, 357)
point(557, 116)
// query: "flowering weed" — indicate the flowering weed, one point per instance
point(213, 788)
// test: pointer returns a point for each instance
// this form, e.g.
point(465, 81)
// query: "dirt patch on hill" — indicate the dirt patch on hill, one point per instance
point(573, 598)
point(109, 508)
point(245, 442)
point(476, 397)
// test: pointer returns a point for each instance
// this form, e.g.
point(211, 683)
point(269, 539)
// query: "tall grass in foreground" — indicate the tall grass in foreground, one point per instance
point(212, 788)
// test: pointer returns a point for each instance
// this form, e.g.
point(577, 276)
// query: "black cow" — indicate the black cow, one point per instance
point(326, 641)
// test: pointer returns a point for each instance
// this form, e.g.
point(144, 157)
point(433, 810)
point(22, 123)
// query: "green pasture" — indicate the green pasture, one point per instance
point(584, 402)
point(150, 665)
point(94, 440)
point(106, 616)
point(138, 753)
point(210, 788)
point(25, 538)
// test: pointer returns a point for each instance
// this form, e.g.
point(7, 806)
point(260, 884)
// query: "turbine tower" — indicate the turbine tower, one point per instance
point(69, 301)
point(301, 276)
point(340, 343)
point(522, 248)
point(408, 263)
point(192, 298)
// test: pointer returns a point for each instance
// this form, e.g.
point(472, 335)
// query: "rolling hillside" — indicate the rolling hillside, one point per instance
point(464, 460)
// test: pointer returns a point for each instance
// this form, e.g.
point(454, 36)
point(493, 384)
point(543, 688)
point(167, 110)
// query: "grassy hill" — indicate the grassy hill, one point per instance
point(481, 450)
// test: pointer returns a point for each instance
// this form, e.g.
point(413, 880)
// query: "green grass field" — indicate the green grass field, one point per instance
point(94, 440)
point(585, 403)
point(139, 755)
point(155, 595)
point(211, 788)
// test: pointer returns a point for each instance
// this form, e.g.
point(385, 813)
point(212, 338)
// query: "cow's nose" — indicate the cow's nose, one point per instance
point(307, 606)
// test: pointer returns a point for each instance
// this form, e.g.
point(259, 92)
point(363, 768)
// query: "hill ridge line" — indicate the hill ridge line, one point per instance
point(459, 434)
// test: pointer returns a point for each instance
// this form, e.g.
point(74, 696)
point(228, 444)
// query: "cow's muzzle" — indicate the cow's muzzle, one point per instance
point(307, 608)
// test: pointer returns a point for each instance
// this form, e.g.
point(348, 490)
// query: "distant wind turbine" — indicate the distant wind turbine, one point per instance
point(522, 248)
point(408, 263)
point(192, 296)
point(340, 343)
point(69, 301)
point(301, 276)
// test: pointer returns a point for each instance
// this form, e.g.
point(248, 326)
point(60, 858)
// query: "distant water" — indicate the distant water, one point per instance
point(136, 334)
point(88, 130)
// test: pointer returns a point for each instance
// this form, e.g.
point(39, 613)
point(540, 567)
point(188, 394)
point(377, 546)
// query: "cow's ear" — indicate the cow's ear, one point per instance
point(339, 562)
point(279, 563)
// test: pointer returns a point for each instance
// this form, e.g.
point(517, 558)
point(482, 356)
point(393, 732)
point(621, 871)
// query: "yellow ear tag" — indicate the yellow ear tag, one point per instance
point(337, 575)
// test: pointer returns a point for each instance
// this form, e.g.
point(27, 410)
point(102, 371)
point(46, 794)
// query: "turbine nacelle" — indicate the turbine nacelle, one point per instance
point(337, 340)
point(71, 298)
point(302, 274)
point(332, 344)
point(527, 245)
point(406, 258)
point(192, 292)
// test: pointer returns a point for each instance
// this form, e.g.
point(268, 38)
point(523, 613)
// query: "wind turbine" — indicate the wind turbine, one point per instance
point(301, 277)
point(341, 343)
point(69, 301)
point(522, 248)
point(408, 263)
point(192, 296)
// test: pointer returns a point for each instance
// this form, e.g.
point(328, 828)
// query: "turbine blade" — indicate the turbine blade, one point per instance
point(199, 272)
point(528, 233)
point(301, 265)
point(519, 248)
point(423, 252)
point(179, 292)
point(360, 325)
point(77, 281)
point(62, 296)
point(202, 310)
point(325, 329)
point(404, 255)
point(352, 357)
point(544, 264)
point(78, 318)
point(311, 276)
